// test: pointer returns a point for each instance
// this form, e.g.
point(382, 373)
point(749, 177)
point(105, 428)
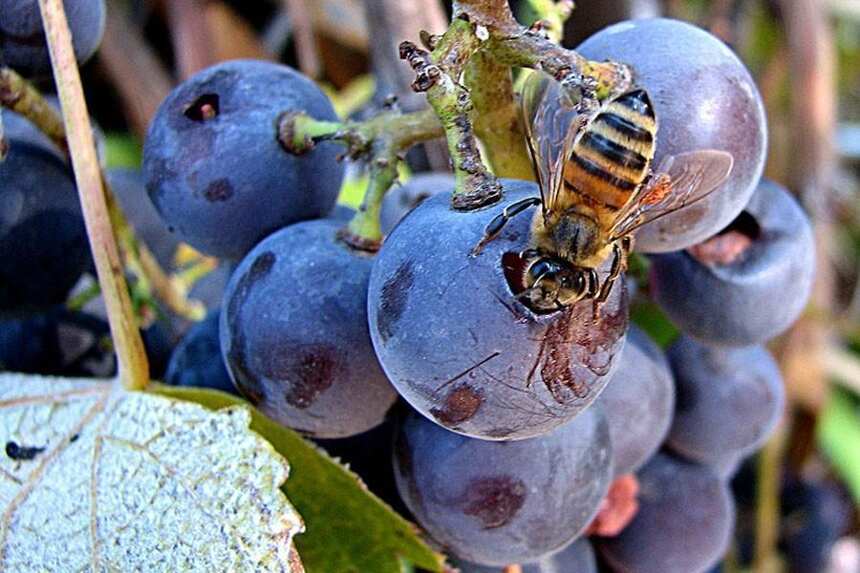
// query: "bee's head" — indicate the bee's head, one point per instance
point(553, 284)
point(575, 237)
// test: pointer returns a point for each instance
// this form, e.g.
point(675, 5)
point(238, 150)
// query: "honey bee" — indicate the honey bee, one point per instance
point(596, 188)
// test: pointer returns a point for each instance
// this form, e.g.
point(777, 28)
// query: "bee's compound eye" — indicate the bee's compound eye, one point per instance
point(543, 267)
point(574, 281)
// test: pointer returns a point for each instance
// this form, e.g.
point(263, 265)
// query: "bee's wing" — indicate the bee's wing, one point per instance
point(680, 181)
point(550, 123)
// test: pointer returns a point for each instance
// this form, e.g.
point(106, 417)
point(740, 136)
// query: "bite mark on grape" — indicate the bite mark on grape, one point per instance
point(494, 500)
point(219, 190)
point(576, 328)
point(313, 374)
point(461, 404)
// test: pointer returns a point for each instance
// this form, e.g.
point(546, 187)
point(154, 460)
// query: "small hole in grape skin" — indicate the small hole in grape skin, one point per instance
point(514, 267)
point(204, 108)
point(730, 244)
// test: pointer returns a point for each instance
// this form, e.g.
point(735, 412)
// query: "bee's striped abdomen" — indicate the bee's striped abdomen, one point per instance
point(613, 155)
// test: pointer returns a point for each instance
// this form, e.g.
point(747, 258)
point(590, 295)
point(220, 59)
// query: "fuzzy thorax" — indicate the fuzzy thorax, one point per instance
point(572, 236)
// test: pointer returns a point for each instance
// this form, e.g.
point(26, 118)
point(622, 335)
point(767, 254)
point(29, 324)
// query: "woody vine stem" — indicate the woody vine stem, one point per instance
point(466, 74)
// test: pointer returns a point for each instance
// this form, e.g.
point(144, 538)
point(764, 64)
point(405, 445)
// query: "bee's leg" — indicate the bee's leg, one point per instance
point(619, 259)
point(627, 242)
point(498, 222)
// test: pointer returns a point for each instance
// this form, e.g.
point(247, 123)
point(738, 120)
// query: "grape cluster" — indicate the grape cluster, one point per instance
point(542, 439)
point(557, 440)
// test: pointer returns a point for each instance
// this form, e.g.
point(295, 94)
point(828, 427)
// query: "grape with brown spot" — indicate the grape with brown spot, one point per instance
point(214, 168)
point(294, 333)
point(462, 349)
point(495, 503)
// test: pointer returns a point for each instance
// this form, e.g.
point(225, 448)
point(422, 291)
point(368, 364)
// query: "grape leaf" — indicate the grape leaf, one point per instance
point(95, 478)
point(348, 528)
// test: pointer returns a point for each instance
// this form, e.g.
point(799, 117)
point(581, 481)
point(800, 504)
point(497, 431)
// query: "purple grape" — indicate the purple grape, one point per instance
point(684, 524)
point(578, 557)
point(400, 200)
point(58, 343)
point(130, 190)
point(704, 98)
point(294, 333)
point(729, 400)
point(816, 513)
point(196, 360)
point(639, 402)
point(495, 503)
point(754, 295)
point(43, 242)
point(213, 164)
point(22, 40)
point(458, 345)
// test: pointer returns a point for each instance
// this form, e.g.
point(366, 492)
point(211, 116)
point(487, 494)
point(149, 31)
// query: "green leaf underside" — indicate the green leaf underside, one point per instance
point(839, 438)
point(348, 529)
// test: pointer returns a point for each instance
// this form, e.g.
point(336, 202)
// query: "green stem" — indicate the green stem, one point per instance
point(133, 366)
point(496, 117)
point(552, 14)
point(364, 230)
point(18, 95)
point(81, 299)
point(584, 80)
point(439, 75)
point(381, 140)
point(485, 37)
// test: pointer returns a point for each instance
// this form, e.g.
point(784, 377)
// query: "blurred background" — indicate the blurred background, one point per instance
point(798, 499)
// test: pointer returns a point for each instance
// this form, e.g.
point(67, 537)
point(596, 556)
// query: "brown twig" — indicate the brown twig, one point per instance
point(231, 36)
point(393, 21)
point(192, 46)
point(813, 109)
point(136, 73)
point(303, 32)
point(801, 351)
point(131, 357)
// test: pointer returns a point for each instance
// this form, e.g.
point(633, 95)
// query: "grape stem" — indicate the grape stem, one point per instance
point(18, 95)
point(382, 140)
point(466, 76)
point(21, 97)
point(131, 357)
